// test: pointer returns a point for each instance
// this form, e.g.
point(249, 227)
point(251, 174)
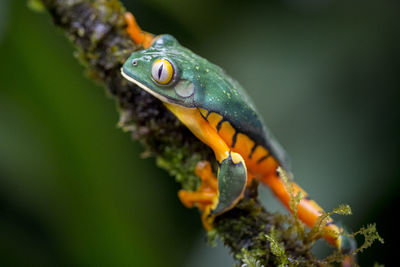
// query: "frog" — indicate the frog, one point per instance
point(220, 113)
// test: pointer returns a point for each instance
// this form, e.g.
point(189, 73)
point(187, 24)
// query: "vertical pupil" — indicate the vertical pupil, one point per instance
point(160, 71)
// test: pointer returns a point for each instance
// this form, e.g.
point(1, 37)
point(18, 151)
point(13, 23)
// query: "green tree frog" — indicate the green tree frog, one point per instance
point(217, 111)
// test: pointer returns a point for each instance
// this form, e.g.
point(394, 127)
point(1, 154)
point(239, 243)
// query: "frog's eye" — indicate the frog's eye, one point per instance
point(162, 71)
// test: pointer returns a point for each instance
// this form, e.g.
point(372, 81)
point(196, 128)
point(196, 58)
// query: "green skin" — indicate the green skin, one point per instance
point(201, 84)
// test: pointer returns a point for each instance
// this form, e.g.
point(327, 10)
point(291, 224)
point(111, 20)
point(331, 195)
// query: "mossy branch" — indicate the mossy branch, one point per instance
point(97, 29)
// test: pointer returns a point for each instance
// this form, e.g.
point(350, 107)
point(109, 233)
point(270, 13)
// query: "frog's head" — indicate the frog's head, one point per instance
point(166, 70)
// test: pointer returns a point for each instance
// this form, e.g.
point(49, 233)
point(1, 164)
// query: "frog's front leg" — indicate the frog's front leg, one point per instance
point(138, 36)
point(232, 173)
point(206, 196)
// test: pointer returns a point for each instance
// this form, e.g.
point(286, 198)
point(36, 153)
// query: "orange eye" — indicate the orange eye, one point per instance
point(162, 71)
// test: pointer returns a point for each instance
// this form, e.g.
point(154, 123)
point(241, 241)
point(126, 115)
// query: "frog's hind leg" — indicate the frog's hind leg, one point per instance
point(309, 211)
point(138, 36)
point(232, 173)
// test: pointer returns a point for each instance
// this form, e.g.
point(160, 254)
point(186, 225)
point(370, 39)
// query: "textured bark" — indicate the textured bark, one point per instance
point(97, 28)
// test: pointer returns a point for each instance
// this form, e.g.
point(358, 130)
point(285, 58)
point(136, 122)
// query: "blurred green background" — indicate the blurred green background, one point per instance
point(74, 189)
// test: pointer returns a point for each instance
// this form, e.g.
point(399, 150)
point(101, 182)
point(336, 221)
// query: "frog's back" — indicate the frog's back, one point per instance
point(228, 108)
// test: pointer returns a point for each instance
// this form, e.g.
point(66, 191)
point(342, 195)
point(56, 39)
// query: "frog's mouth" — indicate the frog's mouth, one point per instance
point(144, 87)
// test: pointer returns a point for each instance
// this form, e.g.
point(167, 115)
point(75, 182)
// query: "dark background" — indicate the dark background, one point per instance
point(74, 189)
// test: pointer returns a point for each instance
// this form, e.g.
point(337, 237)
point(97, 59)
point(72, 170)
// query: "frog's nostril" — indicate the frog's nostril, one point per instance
point(134, 62)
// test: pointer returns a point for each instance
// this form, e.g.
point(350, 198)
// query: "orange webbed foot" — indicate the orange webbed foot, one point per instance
point(138, 36)
point(206, 196)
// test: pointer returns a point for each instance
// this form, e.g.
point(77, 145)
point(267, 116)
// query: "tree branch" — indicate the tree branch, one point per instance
point(97, 28)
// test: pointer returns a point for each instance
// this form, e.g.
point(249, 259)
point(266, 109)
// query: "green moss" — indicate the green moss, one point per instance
point(256, 236)
point(277, 248)
point(182, 170)
point(212, 237)
point(370, 236)
point(250, 258)
point(299, 227)
point(318, 231)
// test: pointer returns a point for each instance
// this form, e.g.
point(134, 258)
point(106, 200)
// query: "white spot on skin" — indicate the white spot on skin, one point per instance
point(184, 88)
point(147, 58)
